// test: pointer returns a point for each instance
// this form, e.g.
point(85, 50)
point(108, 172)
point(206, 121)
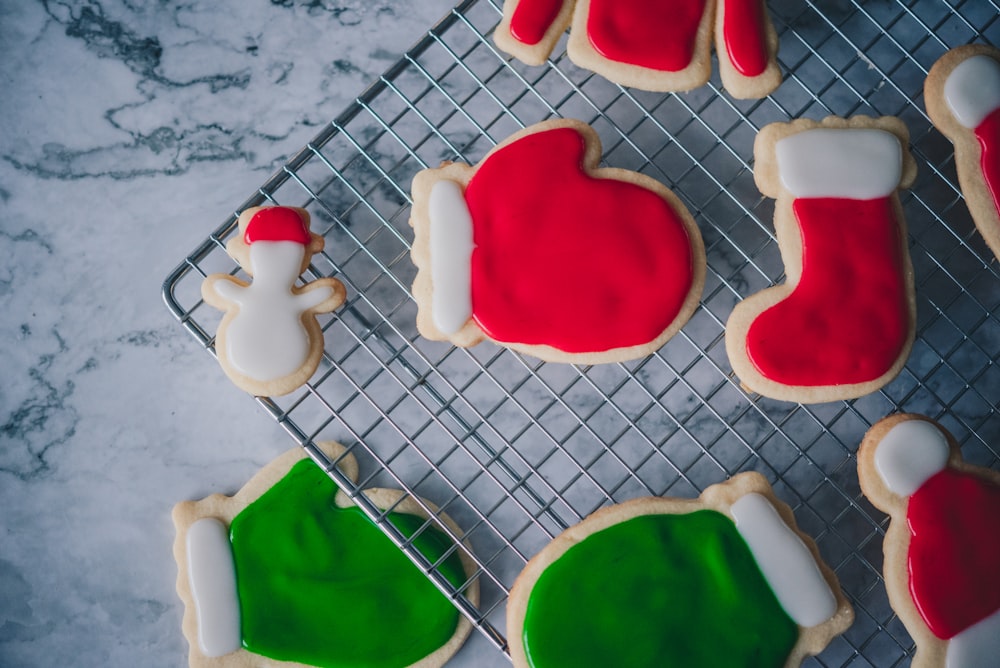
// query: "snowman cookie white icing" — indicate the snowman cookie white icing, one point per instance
point(942, 545)
point(269, 341)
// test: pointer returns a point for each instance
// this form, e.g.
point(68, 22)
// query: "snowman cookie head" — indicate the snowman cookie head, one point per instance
point(265, 228)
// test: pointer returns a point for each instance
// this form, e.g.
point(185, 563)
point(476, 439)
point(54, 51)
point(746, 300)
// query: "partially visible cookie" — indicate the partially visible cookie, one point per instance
point(269, 342)
point(962, 94)
point(942, 547)
point(648, 45)
point(538, 249)
point(843, 322)
point(726, 579)
point(289, 572)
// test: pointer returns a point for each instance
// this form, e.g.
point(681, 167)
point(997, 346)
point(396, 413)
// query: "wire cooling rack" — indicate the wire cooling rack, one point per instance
point(515, 450)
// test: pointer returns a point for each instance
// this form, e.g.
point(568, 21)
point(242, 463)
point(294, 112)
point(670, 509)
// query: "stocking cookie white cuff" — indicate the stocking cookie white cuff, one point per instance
point(856, 163)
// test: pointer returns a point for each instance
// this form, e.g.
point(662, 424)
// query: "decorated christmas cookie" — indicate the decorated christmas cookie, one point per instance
point(538, 249)
point(962, 93)
point(722, 580)
point(842, 323)
point(269, 341)
point(289, 572)
point(942, 547)
point(656, 45)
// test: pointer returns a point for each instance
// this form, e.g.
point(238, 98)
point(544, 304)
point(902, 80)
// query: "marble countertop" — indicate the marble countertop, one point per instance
point(131, 130)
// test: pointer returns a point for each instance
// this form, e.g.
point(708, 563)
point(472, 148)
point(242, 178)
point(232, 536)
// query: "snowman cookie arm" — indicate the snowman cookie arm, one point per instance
point(222, 291)
point(320, 296)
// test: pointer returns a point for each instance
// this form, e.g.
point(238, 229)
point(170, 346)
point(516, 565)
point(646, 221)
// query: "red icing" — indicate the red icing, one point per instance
point(847, 319)
point(988, 134)
point(532, 18)
point(568, 260)
point(276, 223)
point(954, 521)
point(744, 35)
point(655, 34)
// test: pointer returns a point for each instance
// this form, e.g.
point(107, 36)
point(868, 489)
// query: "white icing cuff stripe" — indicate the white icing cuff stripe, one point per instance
point(212, 578)
point(851, 163)
point(972, 90)
point(786, 562)
point(909, 454)
point(451, 256)
point(978, 645)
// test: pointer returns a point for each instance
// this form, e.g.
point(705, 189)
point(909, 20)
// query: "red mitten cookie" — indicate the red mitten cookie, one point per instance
point(942, 547)
point(269, 342)
point(962, 93)
point(538, 249)
point(654, 45)
point(842, 324)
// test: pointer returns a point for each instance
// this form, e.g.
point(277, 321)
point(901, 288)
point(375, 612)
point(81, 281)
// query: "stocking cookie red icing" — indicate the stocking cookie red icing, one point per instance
point(658, 45)
point(842, 324)
point(943, 543)
point(962, 93)
point(269, 342)
point(538, 249)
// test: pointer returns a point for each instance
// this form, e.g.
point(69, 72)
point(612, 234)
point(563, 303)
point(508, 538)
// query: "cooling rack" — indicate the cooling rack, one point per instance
point(515, 450)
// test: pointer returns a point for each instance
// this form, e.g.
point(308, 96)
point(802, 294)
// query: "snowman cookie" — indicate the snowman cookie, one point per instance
point(538, 249)
point(962, 93)
point(722, 580)
point(289, 572)
point(942, 547)
point(269, 342)
point(842, 324)
point(653, 45)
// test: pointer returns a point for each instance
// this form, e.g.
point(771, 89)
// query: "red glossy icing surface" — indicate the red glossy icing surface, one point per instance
point(954, 521)
point(532, 18)
point(744, 36)
point(988, 134)
point(568, 260)
point(847, 319)
point(658, 34)
point(276, 223)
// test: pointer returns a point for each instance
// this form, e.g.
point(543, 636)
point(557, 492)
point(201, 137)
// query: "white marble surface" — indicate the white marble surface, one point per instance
point(131, 130)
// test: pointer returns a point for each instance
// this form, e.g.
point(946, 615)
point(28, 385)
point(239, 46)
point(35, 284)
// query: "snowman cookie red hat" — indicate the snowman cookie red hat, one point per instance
point(652, 45)
point(723, 580)
point(538, 249)
point(289, 572)
point(269, 342)
point(962, 93)
point(842, 324)
point(942, 547)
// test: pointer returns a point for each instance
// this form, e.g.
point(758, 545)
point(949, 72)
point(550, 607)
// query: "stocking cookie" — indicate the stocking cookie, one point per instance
point(962, 93)
point(289, 572)
point(654, 45)
point(538, 249)
point(942, 546)
point(269, 342)
point(722, 580)
point(842, 324)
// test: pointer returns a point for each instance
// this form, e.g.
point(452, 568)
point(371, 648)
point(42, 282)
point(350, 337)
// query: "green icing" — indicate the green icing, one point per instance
point(658, 590)
point(323, 586)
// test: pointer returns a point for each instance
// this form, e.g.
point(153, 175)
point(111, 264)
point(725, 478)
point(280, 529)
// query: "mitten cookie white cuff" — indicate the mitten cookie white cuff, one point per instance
point(451, 256)
point(212, 579)
point(850, 163)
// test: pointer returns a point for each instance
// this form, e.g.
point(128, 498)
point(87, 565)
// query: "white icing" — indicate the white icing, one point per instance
point(976, 646)
point(909, 454)
point(972, 90)
point(212, 579)
point(785, 561)
point(852, 163)
point(451, 256)
point(266, 339)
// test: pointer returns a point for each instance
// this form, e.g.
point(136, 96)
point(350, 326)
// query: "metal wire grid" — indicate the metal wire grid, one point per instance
point(515, 450)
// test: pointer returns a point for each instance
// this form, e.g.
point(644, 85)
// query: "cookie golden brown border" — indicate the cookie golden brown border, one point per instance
point(225, 508)
point(721, 498)
point(469, 333)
